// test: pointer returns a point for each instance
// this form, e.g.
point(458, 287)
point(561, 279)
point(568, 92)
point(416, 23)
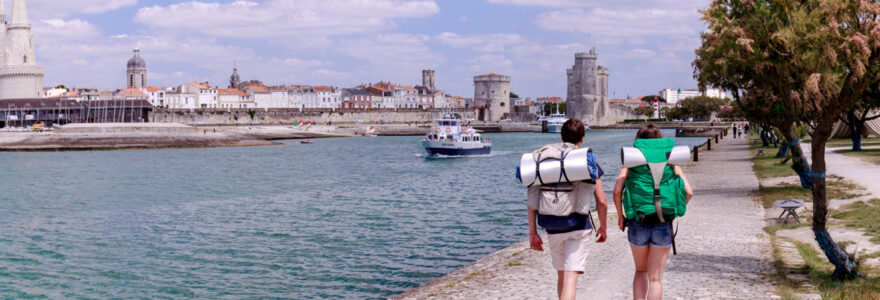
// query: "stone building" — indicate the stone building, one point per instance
point(136, 71)
point(20, 77)
point(234, 80)
point(428, 80)
point(588, 89)
point(492, 96)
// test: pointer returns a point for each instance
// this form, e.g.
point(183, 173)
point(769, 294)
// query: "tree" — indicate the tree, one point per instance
point(856, 116)
point(646, 111)
point(514, 95)
point(550, 108)
point(61, 86)
point(700, 108)
point(808, 60)
point(652, 97)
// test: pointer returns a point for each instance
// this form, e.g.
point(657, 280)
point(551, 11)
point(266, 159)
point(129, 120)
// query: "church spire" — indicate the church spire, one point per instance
point(19, 13)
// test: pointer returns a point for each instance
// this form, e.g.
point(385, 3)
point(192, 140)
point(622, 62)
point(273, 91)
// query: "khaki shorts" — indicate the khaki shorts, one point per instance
point(569, 250)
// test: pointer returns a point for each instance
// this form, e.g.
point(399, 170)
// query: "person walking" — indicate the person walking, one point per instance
point(638, 200)
point(568, 236)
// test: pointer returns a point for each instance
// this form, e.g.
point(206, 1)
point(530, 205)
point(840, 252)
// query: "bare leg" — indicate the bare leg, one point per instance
point(656, 265)
point(560, 280)
point(569, 285)
point(640, 280)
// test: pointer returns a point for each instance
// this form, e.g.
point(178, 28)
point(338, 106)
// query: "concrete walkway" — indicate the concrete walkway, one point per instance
point(723, 252)
point(853, 169)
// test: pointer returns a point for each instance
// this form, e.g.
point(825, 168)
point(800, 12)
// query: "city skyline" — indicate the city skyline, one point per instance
point(647, 46)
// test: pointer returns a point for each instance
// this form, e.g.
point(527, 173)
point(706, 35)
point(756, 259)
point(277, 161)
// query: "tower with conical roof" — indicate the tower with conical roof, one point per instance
point(136, 71)
point(20, 77)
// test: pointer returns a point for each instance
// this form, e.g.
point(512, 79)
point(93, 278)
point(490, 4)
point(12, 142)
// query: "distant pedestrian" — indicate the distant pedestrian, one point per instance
point(735, 132)
point(569, 235)
point(637, 199)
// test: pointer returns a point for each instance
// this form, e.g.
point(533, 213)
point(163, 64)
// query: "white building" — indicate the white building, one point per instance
point(176, 99)
point(155, 95)
point(328, 97)
point(234, 98)
point(206, 94)
point(674, 96)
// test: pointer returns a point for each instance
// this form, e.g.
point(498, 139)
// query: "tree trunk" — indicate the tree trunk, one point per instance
point(843, 264)
point(798, 160)
point(856, 134)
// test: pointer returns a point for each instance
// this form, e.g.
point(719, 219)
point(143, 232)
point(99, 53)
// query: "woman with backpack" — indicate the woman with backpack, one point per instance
point(638, 199)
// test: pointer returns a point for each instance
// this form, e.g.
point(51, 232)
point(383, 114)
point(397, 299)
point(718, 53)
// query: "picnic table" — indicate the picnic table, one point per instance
point(789, 209)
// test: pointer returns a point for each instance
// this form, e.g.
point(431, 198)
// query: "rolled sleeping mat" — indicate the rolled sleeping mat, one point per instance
point(576, 169)
point(679, 156)
point(633, 157)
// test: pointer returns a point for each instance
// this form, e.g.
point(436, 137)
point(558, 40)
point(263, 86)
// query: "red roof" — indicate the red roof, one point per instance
point(201, 85)
point(323, 89)
point(231, 92)
point(130, 92)
point(152, 89)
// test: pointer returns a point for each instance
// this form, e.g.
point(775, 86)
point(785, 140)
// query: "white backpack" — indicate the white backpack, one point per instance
point(559, 199)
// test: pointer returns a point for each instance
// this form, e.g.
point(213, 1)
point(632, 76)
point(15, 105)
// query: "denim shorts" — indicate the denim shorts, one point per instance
point(657, 235)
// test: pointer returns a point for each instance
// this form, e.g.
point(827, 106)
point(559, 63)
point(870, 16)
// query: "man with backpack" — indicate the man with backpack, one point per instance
point(568, 236)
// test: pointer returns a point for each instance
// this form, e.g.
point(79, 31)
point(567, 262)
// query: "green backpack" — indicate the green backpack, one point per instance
point(642, 195)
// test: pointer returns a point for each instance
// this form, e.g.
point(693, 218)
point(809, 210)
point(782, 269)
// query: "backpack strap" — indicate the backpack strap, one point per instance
point(562, 167)
point(538, 169)
point(657, 170)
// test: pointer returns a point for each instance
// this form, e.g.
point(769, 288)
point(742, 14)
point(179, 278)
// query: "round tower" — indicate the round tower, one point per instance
point(136, 71)
point(20, 77)
point(492, 96)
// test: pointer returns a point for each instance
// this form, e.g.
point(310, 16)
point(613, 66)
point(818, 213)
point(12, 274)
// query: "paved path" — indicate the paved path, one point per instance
point(723, 252)
point(852, 168)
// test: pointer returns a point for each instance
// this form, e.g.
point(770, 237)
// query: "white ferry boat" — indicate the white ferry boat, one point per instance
point(451, 137)
point(555, 121)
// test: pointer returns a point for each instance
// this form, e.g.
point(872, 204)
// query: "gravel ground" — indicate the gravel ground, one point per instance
point(722, 251)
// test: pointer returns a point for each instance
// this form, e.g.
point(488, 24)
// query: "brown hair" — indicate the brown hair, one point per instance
point(649, 131)
point(573, 131)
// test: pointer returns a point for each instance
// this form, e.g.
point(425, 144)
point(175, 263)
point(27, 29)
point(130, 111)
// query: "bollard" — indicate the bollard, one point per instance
point(709, 144)
point(716, 139)
point(697, 154)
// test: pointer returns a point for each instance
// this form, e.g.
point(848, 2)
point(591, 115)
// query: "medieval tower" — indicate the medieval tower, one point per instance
point(428, 80)
point(136, 71)
point(492, 96)
point(588, 89)
point(20, 77)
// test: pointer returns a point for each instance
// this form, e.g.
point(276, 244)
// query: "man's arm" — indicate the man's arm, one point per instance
point(532, 204)
point(602, 207)
point(534, 239)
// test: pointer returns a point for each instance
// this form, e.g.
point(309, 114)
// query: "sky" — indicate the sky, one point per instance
point(648, 45)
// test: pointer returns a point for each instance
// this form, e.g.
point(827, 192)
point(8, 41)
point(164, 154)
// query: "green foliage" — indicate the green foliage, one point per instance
point(61, 86)
point(550, 108)
point(513, 95)
point(252, 113)
point(646, 111)
point(699, 108)
point(651, 98)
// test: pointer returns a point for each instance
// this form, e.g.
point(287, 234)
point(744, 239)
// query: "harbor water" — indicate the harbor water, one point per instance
point(342, 218)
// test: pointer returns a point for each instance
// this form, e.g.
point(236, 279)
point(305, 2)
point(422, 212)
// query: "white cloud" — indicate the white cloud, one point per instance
point(480, 42)
point(610, 23)
point(283, 18)
point(60, 29)
point(629, 4)
point(56, 8)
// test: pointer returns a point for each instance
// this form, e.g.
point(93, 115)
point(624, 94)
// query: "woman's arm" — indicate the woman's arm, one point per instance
point(618, 196)
point(688, 192)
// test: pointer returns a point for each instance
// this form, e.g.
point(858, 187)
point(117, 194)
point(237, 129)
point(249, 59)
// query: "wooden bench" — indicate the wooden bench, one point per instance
point(789, 209)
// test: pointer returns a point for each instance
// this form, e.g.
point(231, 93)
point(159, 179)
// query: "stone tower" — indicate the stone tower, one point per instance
point(428, 80)
point(587, 97)
point(234, 80)
point(492, 96)
point(136, 74)
point(20, 77)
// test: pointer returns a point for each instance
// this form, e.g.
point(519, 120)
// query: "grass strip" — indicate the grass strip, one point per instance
point(862, 215)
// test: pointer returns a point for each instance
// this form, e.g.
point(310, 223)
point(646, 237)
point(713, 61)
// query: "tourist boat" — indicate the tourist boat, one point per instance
point(306, 142)
point(555, 121)
point(452, 137)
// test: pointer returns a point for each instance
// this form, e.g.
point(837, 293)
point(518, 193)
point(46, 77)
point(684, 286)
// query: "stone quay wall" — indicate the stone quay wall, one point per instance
point(317, 116)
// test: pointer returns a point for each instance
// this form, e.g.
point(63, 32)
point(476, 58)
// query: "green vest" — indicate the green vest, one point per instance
point(638, 193)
